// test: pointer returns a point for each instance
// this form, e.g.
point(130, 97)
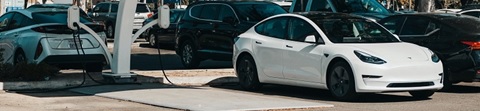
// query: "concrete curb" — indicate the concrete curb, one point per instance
point(71, 78)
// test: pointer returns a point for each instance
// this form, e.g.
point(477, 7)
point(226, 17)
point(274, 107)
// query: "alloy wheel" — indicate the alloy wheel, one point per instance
point(339, 81)
point(187, 53)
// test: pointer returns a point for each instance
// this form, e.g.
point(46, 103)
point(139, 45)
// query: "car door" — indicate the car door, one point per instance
point(208, 17)
point(421, 31)
point(268, 48)
point(302, 59)
point(5, 31)
point(224, 30)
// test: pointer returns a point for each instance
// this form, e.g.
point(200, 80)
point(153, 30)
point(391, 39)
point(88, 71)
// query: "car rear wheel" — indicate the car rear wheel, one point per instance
point(152, 40)
point(341, 82)
point(422, 94)
point(188, 55)
point(247, 74)
point(19, 58)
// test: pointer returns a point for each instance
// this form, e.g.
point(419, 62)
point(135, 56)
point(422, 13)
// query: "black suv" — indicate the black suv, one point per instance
point(106, 12)
point(453, 37)
point(208, 28)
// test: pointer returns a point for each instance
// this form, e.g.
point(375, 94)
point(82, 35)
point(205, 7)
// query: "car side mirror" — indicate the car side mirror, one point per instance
point(310, 39)
point(229, 20)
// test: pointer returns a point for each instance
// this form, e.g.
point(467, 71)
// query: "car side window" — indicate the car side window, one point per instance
point(475, 14)
point(5, 21)
point(276, 28)
point(196, 10)
point(300, 5)
point(394, 24)
point(19, 20)
point(114, 8)
point(104, 8)
point(320, 5)
point(299, 29)
point(225, 12)
point(210, 12)
point(415, 26)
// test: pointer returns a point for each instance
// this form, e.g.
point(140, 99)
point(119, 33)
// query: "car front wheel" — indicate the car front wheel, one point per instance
point(341, 83)
point(247, 74)
point(188, 55)
point(152, 40)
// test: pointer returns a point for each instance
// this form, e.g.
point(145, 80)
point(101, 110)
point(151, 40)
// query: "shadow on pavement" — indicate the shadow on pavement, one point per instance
point(319, 94)
point(463, 89)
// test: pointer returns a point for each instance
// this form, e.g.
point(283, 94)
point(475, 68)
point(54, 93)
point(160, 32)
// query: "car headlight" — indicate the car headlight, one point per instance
point(368, 58)
point(435, 58)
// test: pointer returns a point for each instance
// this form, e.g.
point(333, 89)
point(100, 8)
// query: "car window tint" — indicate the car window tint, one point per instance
point(320, 5)
point(299, 29)
point(55, 17)
point(196, 10)
point(19, 20)
point(226, 11)
point(354, 31)
point(210, 12)
point(475, 14)
point(257, 12)
point(5, 20)
point(300, 5)
point(142, 8)
point(432, 26)
point(103, 8)
point(415, 26)
point(276, 28)
point(114, 8)
point(394, 24)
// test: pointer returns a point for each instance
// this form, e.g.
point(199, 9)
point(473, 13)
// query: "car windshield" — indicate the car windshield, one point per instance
point(142, 8)
point(360, 6)
point(257, 12)
point(55, 17)
point(354, 31)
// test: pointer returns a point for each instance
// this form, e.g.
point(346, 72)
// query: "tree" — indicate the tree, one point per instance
point(425, 5)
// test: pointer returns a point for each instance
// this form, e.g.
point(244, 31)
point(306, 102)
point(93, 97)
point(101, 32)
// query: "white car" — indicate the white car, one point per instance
point(41, 35)
point(344, 53)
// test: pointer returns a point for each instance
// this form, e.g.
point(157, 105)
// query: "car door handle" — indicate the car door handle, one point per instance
point(289, 46)
point(15, 34)
point(258, 42)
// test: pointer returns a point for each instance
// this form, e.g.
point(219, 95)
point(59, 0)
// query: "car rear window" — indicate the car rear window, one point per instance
point(55, 17)
point(465, 23)
point(142, 8)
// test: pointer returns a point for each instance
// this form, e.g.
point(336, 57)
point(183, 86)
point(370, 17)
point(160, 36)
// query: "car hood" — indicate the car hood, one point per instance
point(391, 52)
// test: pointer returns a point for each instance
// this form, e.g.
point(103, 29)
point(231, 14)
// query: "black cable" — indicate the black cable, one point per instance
point(161, 62)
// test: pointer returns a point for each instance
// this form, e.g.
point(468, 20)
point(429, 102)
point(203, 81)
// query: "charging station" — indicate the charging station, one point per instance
point(120, 62)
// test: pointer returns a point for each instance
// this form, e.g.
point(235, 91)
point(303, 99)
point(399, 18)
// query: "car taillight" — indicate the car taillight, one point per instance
point(38, 51)
point(149, 15)
point(474, 45)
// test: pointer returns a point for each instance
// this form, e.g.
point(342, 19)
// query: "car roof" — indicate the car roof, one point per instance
point(50, 6)
point(117, 2)
point(234, 2)
point(438, 16)
point(29, 12)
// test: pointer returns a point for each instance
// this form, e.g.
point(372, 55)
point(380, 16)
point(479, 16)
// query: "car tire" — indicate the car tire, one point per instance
point(341, 83)
point(421, 94)
point(153, 40)
point(189, 54)
point(247, 73)
point(110, 31)
point(19, 58)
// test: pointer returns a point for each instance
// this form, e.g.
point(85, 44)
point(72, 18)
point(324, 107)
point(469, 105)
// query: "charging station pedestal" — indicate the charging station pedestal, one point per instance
point(120, 62)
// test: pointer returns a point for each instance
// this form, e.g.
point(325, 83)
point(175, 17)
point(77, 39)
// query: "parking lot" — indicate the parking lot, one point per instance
point(463, 96)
